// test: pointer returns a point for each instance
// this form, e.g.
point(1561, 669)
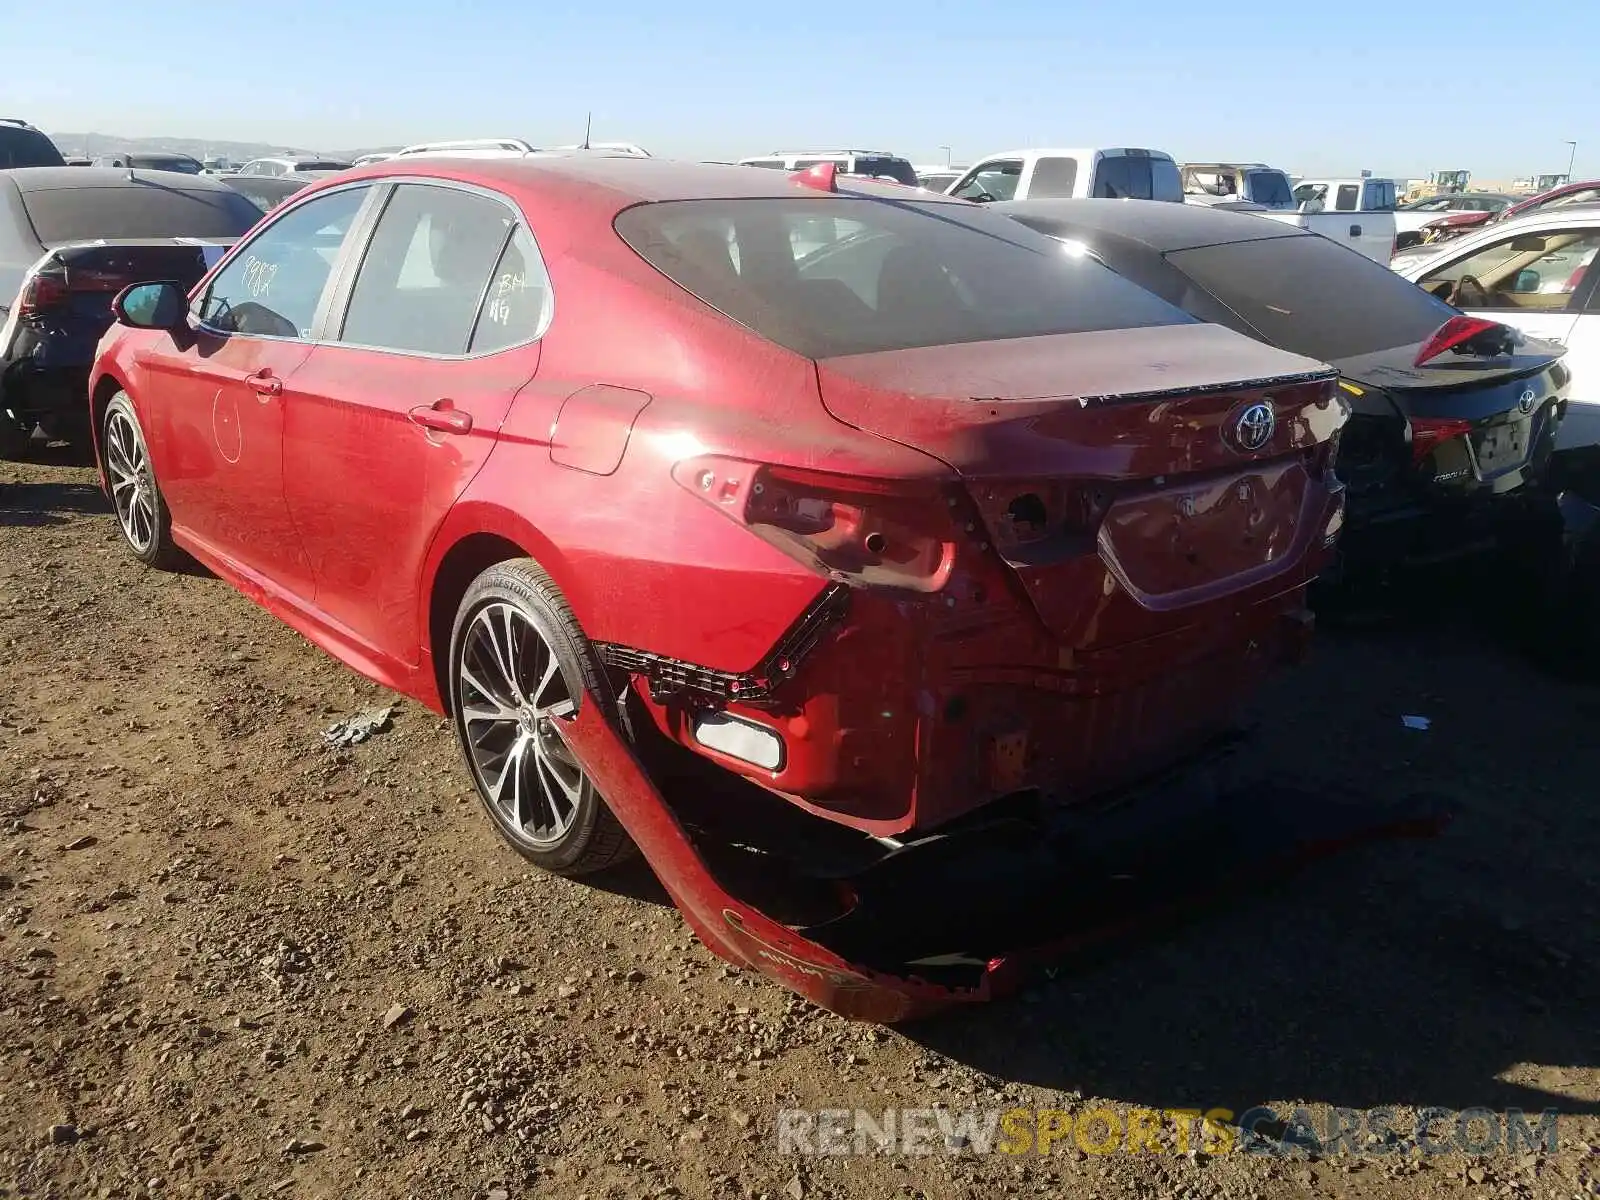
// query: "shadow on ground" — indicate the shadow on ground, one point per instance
point(1460, 971)
point(29, 504)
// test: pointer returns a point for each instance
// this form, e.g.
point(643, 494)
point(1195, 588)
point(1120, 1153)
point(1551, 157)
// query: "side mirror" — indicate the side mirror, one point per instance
point(1526, 282)
point(1527, 244)
point(152, 306)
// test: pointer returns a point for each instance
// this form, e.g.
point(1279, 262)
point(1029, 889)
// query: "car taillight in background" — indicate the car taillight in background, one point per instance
point(46, 292)
point(862, 532)
point(1468, 335)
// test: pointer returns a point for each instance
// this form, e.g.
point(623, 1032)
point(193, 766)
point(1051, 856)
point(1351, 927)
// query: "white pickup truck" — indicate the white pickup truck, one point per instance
point(1118, 174)
point(1357, 212)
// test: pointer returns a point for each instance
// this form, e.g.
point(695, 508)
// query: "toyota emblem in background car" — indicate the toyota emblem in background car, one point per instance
point(1526, 401)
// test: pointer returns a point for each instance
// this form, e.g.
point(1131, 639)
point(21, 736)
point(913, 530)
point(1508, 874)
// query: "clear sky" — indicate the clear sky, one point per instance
point(1494, 86)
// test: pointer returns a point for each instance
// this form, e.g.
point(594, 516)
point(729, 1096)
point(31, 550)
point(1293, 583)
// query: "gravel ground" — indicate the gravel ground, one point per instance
point(236, 963)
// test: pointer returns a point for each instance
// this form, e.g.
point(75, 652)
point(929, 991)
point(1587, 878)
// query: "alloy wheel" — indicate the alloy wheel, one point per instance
point(514, 701)
point(133, 486)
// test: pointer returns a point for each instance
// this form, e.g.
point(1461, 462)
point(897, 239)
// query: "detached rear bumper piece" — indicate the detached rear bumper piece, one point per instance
point(966, 916)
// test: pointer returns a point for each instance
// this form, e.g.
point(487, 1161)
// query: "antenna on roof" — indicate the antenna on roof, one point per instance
point(588, 120)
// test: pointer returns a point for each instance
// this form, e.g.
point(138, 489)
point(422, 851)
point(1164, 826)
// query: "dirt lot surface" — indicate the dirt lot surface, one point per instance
point(206, 918)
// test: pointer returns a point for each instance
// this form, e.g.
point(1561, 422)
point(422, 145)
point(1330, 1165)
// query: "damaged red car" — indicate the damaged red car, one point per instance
point(821, 539)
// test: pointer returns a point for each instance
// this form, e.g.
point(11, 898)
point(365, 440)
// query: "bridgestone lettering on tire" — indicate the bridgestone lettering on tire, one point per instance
point(520, 669)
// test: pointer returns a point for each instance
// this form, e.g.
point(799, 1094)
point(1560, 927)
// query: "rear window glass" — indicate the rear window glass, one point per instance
point(1137, 177)
point(139, 210)
point(158, 162)
point(855, 276)
point(1313, 296)
point(27, 148)
point(897, 169)
point(1270, 188)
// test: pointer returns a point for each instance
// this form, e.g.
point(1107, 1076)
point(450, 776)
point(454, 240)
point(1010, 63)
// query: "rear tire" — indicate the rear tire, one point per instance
point(520, 668)
point(141, 509)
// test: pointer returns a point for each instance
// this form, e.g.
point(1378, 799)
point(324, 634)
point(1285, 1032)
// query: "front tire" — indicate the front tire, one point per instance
point(520, 667)
point(141, 509)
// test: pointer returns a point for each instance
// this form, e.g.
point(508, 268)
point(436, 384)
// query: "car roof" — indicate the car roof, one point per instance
point(1075, 152)
point(1158, 224)
point(45, 179)
point(624, 179)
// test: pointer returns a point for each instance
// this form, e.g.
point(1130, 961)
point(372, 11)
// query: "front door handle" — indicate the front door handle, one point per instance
point(1355, 231)
point(443, 416)
point(264, 383)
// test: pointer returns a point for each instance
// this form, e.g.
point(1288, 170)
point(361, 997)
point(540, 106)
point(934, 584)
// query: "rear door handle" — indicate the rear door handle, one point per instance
point(264, 383)
point(443, 416)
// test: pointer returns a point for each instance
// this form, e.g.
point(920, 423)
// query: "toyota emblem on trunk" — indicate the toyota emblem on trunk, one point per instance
point(1525, 402)
point(1255, 426)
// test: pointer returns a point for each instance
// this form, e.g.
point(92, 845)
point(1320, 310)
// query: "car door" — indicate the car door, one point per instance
point(1582, 424)
point(216, 397)
point(435, 333)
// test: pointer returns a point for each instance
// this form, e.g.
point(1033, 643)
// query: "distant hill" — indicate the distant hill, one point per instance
point(90, 145)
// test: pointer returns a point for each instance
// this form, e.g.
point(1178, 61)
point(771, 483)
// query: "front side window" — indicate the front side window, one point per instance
point(426, 270)
point(988, 181)
point(1531, 271)
point(854, 276)
point(1309, 192)
point(274, 283)
point(1053, 179)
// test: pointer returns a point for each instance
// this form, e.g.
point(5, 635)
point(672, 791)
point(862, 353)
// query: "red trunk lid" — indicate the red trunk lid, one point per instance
point(1127, 477)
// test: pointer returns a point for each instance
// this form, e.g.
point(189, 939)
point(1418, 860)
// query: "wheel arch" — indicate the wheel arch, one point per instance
point(474, 538)
point(101, 390)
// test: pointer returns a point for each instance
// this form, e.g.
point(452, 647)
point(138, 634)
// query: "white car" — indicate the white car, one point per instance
point(1045, 174)
point(1535, 274)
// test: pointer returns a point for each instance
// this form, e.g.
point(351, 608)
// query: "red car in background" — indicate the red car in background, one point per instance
point(1458, 223)
point(776, 526)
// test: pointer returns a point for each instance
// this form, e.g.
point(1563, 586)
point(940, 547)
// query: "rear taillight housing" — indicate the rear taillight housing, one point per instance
point(1467, 335)
point(861, 532)
point(47, 292)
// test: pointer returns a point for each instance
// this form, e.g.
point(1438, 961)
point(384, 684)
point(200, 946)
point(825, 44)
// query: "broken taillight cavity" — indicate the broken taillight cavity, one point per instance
point(1033, 511)
point(863, 532)
point(1429, 433)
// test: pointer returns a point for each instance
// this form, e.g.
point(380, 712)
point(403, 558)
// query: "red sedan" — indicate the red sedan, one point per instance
point(661, 478)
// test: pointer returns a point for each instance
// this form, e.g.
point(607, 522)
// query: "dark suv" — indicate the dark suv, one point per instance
point(21, 145)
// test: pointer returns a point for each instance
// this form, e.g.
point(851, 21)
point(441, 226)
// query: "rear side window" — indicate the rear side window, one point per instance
point(770, 163)
point(137, 210)
point(425, 272)
point(853, 276)
point(27, 148)
point(518, 305)
point(1053, 179)
point(1312, 296)
point(1347, 197)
